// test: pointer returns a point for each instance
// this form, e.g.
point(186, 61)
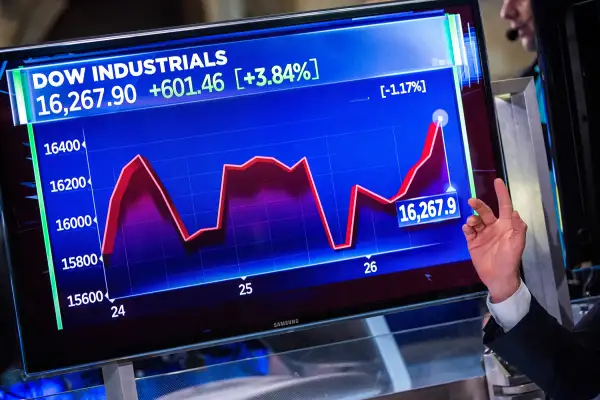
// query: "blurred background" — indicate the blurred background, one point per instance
point(36, 21)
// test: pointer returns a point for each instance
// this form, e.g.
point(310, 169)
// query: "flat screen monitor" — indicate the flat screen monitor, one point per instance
point(193, 186)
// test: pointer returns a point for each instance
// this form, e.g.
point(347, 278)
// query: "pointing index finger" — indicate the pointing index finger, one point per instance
point(504, 201)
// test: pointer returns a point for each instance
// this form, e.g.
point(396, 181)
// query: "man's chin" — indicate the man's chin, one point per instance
point(529, 43)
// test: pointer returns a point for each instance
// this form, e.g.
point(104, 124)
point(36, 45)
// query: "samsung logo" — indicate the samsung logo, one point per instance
point(289, 322)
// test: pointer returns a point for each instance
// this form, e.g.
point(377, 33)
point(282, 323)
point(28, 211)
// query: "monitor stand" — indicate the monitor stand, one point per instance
point(372, 340)
point(119, 381)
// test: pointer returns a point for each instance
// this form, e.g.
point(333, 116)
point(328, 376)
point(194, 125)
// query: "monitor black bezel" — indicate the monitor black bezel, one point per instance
point(148, 345)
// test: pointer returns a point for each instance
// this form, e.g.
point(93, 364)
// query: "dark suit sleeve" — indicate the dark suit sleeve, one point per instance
point(562, 362)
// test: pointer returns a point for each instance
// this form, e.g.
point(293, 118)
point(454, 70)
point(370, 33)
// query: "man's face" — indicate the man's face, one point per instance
point(518, 13)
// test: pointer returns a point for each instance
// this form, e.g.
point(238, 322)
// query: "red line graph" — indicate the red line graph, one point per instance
point(122, 184)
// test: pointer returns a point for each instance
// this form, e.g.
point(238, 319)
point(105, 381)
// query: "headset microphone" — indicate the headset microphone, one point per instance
point(512, 34)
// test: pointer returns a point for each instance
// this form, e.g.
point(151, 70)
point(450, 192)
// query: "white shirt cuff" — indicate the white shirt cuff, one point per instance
point(509, 312)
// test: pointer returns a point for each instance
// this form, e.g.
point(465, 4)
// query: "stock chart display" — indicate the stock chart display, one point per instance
point(344, 178)
point(225, 164)
point(214, 176)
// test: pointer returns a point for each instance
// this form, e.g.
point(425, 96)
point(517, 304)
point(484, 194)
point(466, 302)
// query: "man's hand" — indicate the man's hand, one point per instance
point(496, 244)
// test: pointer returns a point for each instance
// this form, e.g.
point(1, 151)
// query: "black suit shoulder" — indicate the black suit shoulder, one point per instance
point(562, 362)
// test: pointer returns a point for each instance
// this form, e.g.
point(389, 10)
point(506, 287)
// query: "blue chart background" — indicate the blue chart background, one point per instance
point(349, 134)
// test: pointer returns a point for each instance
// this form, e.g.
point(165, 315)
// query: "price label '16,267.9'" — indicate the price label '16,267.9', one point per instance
point(424, 210)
